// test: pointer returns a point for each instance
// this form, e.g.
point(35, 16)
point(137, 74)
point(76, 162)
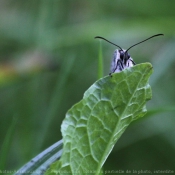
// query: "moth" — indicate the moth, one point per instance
point(121, 58)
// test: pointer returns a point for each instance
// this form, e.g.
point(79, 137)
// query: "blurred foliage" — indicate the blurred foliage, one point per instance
point(48, 58)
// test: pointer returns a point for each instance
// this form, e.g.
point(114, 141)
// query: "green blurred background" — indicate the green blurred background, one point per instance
point(48, 58)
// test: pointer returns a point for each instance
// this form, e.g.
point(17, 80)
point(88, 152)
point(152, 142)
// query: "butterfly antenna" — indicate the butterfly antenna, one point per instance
point(144, 41)
point(108, 41)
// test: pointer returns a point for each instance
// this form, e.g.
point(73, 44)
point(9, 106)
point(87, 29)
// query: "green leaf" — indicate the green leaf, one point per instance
point(92, 126)
point(42, 161)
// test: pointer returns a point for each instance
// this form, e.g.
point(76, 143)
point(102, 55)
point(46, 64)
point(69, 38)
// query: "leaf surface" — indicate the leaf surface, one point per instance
point(92, 127)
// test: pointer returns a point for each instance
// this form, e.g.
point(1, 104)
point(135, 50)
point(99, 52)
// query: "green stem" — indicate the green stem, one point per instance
point(100, 62)
point(6, 144)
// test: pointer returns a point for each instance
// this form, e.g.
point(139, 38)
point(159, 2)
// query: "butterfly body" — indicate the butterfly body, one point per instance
point(121, 60)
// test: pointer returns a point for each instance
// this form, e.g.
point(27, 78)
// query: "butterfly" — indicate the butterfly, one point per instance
point(121, 58)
